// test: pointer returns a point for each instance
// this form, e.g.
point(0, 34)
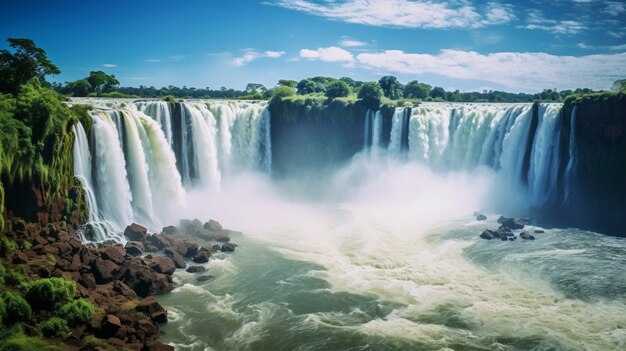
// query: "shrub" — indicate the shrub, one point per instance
point(337, 89)
point(90, 342)
point(16, 308)
point(371, 94)
point(21, 342)
point(54, 327)
point(50, 292)
point(13, 277)
point(77, 312)
point(7, 246)
point(3, 311)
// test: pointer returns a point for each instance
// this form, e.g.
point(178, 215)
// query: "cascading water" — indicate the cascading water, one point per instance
point(395, 138)
point(134, 176)
point(571, 164)
point(544, 158)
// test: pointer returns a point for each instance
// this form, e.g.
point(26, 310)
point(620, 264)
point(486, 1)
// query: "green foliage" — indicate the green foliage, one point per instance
point(54, 327)
point(438, 92)
point(80, 113)
point(337, 89)
point(16, 308)
point(392, 89)
point(49, 293)
point(371, 94)
point(102, 82)
point(79, 88)
point(13, 277)
point(52, 260)
point(282, 91)
point(416, 90)
point(27, 62)
point(288, 83)
point(90, 342)
point(255, 88)
point(7, 245)
point(17, 341)
point(619, 85)
point(309, 86)
point(77, 312)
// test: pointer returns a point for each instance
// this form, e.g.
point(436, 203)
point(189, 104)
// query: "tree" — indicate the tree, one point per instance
point(370, 93)
point(337, 89)
point(309, 86)
point(287, 83)
point(102, 82)
point(80, 88)
point(27, 62)
point(416, 90)
point(255, 88)
point(391, 87)
point(619, 85)
point(438, 92)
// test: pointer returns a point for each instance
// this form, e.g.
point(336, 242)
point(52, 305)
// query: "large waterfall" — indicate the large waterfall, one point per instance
point(142, 157)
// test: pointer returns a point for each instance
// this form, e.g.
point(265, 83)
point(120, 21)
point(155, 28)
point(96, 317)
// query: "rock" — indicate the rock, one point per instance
point(539, 231)
point(205, 278)
point(135, 232)
point(114, 253)
point(526, 236)
point(487, 234)
point(110, 325)
point(201, 256)
point(504, 238)
point(75, 265)
point(19, 258)
point(151, 248)
point(222, 238)
point(149, 305)
point(144, 280)
point(159, 316)
point(170, 229)
point(157, 346)
point(213, 226)
point(185, 248)
point(88, 281)
point(179, 261)
point(512, 223)
point(117, 343)
point(512, 238)
point(481, 217)
point(157, 241)
point(228, 247)
point(504, 232)
point(215, 248)
point(105, 271)
point(162, 264)
point(501, 219)
point(195, 269)
point(124, 290)
point(134, 248)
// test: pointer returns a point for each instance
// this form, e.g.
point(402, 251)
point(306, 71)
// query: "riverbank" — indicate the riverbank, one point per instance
point(110, 287)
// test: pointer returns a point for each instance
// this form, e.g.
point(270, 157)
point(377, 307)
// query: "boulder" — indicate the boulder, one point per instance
point(512, 238)
point(526, 236)
point(159, 316)
point(512, 223)
point(504, 238)
point(213, 226)
point(157, 346)
point(135, 232)
point(144, 280)
point(539, 231)
point(179, 261)
point(105, 271)
point(215, 248)
point(205, 278)
point(170, 229)
point(481, 217)
point(157, 241)
point(114, 253)
point(487, 234)
point(228, 247)
point(162, 264)
point(134, 248)
point(185, 248)
point(88, 281)
point(109, 326)
point(202, 256)
point(149, 305)
point(195, 269)
point(220, 237)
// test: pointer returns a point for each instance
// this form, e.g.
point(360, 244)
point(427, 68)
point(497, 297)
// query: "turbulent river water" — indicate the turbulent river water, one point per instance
point(384, 254)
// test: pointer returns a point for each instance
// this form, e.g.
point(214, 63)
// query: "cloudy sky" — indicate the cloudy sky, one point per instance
point(519, 46)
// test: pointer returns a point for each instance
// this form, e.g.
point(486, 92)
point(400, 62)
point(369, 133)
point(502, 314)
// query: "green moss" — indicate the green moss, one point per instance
point(77, 312)
point(7, 246)
point(16, 308)
point(50, 293)
point(90, 342)
point(21, 342)
point(51, 259)
point(54, 327)
point(13, 277)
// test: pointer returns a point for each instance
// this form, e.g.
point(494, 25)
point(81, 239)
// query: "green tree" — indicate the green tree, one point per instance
point(391, 87)
point(287, 83)
point(619, 85)
point(79, 88)
point(255, 88)
point(337, 89)
point(28, 61)
point(102, 82)
point(438, 92)
point(309, 86)
point(370, 93)
point(416, 90)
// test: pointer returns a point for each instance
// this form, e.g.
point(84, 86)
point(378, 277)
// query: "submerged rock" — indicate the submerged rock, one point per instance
point(205, 278)
point(195, 269)
point(481, 217)
point(539, 231)
point(512, 223)
point(228, 247)
point(526, 236)
point(487, 234)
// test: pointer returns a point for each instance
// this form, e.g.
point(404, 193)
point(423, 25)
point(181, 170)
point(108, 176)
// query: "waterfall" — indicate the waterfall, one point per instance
point(544, 162)
point(397, 126)
point(161, 112)
point(203, 139)
point(377, 130)
point(571, 163)
point(366, 129)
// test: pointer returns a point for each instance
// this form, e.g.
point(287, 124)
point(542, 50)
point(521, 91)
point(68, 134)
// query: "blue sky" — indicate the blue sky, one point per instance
point(520, 46)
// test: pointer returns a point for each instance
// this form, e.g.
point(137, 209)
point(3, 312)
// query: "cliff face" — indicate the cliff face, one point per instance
point(599, 179)
point(312, 136)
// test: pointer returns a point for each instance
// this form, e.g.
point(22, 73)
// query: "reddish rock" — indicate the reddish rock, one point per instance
point(185, 248)
point(149, 305)
point(196, 269)
point(201, 256)
point(114, 253)
point(157, 241)
point(135, 232)
point(143, 280)
point(157, 346)
point(19, 258)
point(159, 316)
point(109, 326)
point(124, 290)
point(162, 264)
point(88, 281)
point(178, 260)
point(105, 271)
point(76, 264)
point(134, 248)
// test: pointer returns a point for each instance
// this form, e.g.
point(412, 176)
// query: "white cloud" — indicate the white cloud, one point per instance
point(329, 54)
point(153, 60)
point(348, 43)
point(109, 65)
point(560, 27)
point(176, 58)
point(405, 13)
point(614, 8)
point(620, 47)
point(251, 55)
point(515, 71)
